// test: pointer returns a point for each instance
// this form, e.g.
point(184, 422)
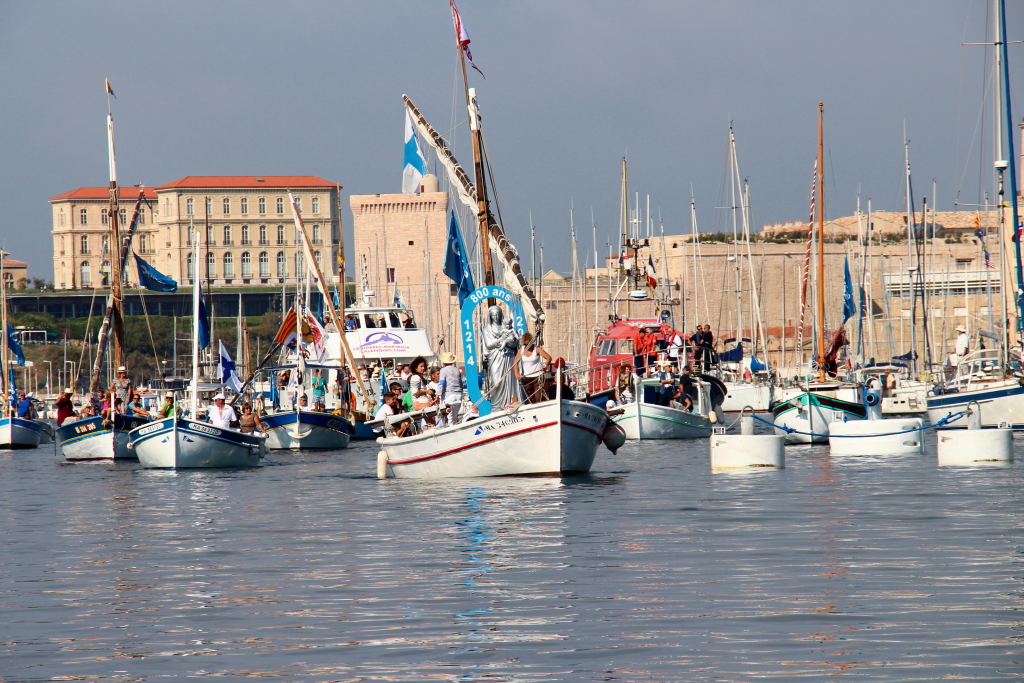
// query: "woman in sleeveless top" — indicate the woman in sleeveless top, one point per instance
point(249, 421)
point(531, 362)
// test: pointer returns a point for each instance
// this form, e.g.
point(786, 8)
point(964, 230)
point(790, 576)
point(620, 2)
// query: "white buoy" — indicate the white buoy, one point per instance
point(974, 444)
point(875, 435)
point(382, 465)
point(746, 449)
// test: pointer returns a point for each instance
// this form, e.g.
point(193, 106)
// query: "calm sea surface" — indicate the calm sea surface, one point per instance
point(652, 568)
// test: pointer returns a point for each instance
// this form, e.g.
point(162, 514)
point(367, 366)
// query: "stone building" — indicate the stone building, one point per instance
point(399, 246)
point(15, 272)
point(250, 237)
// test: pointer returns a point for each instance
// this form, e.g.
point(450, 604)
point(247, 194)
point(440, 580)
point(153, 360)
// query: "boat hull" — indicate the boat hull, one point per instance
point(652, 421)
point(48, 433)
point(741, 395)
point(175, 443)
point(315, 430)
point(543, 438)
point(90, 439)
point(812, 413)
point(1000, 404)
point(16, 432)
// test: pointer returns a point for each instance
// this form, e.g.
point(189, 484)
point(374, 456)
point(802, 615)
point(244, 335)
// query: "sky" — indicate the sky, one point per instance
point(314, 88)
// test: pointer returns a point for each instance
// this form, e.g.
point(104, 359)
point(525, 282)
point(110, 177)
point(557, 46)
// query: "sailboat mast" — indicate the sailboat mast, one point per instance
point(1010, 162)
point(625, 225)
point(3, 351)
point(478, 165)
point(194, 387)
point(820, 322)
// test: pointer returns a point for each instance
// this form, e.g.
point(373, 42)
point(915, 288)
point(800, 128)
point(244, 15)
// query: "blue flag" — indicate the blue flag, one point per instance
point(226, 372)
point(204, 322)
point(849, 306)
point(337, 299)
point(14, 346)
point(455, 265)
point(152, 279)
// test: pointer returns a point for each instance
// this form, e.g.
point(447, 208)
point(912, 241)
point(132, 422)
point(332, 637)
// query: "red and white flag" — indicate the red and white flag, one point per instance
point(461, 36)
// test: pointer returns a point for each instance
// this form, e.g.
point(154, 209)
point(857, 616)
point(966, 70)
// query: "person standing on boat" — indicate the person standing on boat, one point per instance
point(450, 381)
point(249, 422)
point(531, 362)
point(63, 406)
point(500, 346)
point(625, 385)
point(666, 382)
point(963, 345)
point(220, 414)
point(675, 344)
point(24, 407)
point(319, 385)
point(122, 385)
point(707, 342)
point(686, 381)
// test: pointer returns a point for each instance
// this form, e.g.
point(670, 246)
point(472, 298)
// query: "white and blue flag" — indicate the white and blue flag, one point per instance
point(226, 372)
point(414, 166)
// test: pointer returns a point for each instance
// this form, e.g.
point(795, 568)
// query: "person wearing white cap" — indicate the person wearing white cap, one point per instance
point(451, 384)
point(122, 386)
point(221, 415)
point(64, 407)
point(962, 345)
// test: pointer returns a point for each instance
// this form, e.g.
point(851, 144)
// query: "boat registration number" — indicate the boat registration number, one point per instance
point(86, 428)
point(150, 429)
point(204, 429)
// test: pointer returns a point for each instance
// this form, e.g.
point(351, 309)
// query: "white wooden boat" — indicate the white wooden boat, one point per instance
point(306, 429)
point(91, 439)
point(554, 437)
point(176, 443)
point(646, 419)
point(811, 411)
point(47, 434)
point(742, 394)
point(979, 377)
point(16, 432)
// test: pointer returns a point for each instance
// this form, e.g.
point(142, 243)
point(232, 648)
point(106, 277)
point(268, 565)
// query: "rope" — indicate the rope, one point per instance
point(152, 341)
point(951, 417)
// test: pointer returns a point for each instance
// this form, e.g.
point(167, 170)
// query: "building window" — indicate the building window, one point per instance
point(169, 268)
point(227, 234)
point(142, 244)
point(319, 264)
point(264, 264)
point(83, 217)
point(263, 205)
point(63, 275)
point(280, 205)
point(189, 208)
point(298, 204)
point(316, 205)
point(62, 245)
point(105, 272)
point(244, 205)
point(60, 217)
point(188, 237)
point(85, 277)
point(298, 236)
point(229, 265)
point(167, 206)
point(103, 217)
point(263, 234)
point(282, 264)
point(246, 264)
point(280, 234)
point(124, 217)
point(391, 275)
point(300, 263)
point(84, 245)
point(227, 206)
point(105, 244)
point(209, 235)
point(211, 265)
point(245, 234)
point(190, 269)
point(316, 234)
point(209, 206)
point(142, 216)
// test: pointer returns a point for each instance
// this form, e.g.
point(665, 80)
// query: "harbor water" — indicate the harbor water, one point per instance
point(651, 568)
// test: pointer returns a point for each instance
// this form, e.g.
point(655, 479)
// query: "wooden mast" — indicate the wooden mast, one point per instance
point(482, 209)
point(820, 322)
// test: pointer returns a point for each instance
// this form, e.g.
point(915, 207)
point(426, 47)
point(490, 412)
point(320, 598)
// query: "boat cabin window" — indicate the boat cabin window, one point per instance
point(606, 347)
point(351, 322)
point(368, 321)
point(393, 317)
point(626, 346)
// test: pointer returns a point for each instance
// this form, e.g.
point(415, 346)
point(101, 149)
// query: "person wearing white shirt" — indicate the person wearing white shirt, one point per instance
point(962, 344)
point(220, 414)
point(388, 409)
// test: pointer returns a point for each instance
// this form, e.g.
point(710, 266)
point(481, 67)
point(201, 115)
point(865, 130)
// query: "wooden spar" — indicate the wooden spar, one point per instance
point(482, 209)
point(820, 322)
point(113, 311)
point(469, 189)
point(339, 323)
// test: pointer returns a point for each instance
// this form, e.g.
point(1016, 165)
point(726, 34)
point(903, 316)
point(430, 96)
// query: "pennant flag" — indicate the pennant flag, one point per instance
point(337, 299)
point(414, 165)
point(14, 346)
point(152, 279)
point(984, 248)
point(204, 321)
point(849, 307)
point(652, 280)
point(286, 334)
point(456, 266)
point(226, 372)
point(462, 37)
point(317, 335)
point(109, 89)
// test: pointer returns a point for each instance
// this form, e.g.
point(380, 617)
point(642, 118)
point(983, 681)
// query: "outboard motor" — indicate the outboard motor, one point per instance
point(873, 401)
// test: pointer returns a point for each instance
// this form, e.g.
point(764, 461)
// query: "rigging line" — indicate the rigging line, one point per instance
point(979, 124)
point(960, 90)
point(88, 323)
point(145, 311)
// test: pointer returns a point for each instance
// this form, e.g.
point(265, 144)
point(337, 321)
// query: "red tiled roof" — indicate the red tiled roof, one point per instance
point(127, 193)
point(12, 262)
point(244, 181)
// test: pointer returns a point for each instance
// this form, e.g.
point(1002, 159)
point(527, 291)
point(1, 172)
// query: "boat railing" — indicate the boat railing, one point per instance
point(978, 366)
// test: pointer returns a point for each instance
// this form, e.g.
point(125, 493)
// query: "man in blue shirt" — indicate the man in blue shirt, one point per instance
point(25, 409)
